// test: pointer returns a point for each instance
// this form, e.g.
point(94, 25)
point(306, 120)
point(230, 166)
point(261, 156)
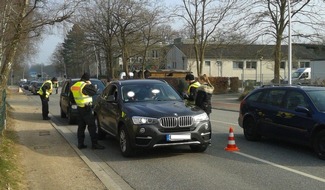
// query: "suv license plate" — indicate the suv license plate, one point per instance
point(178, 137)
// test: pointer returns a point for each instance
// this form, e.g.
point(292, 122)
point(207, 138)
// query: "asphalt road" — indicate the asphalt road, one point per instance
point(268, 164)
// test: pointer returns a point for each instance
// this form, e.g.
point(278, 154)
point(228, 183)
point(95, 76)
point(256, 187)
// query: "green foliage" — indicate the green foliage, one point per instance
point(75, 52)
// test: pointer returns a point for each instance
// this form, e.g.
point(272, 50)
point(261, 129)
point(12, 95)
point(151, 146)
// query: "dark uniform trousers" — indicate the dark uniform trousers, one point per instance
point(45, 107)
point(86, 118)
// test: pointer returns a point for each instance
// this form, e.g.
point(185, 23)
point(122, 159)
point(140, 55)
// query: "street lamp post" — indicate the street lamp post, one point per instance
point(289, 44)
point(261, 81)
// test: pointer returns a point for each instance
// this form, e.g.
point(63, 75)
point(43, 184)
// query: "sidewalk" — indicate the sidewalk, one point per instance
point(48, 161)
point(227, 102)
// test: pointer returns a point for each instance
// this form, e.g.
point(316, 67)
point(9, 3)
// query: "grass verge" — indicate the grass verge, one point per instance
point(10, 173)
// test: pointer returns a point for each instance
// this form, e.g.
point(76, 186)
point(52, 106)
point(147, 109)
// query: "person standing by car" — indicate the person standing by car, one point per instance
point(56, 86)
point(45, 91)
point(192, 88)
point(204, 94)
point(82, 92)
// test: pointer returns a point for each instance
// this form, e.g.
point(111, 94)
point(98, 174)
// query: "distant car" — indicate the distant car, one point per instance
point(148, 113)
point(31, 84)
point(25, 85)
point(67, 105)
point(35, 87)
point(291, 113)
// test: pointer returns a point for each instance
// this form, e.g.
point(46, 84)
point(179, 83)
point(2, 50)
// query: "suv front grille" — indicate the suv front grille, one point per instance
point(171, 122)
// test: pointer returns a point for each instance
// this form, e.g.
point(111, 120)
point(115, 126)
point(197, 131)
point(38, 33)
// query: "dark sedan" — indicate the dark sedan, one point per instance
point(67, 105)
point(291, 113)
point(148, 113)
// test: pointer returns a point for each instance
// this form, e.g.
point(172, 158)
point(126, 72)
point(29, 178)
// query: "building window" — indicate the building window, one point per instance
point(207, 63)
point(174, 65)
point(304, 64)
point(154, 53)
point(251, 64)
point(282, 65)
point(237, 64)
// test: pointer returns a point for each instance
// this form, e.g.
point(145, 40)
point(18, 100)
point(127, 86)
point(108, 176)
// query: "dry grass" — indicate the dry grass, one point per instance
point(10, 170)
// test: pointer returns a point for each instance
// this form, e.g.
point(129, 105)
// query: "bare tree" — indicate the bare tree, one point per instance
point(97, 21)
point(57, 59)
point(204, 17)
point(269, 19)
point(23, 20)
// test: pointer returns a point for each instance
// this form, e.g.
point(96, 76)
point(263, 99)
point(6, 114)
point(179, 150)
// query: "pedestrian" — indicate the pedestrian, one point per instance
point(204, 94)
point(45, 91)
point(56, 86)
point(82, 92)
point(192, 88)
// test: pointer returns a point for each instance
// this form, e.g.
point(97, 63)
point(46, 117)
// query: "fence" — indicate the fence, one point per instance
point(3, 111)
point(256, 80)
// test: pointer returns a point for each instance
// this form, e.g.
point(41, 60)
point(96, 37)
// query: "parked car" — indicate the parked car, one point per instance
point(31, 84)
point(67, 105)
point(25, 85)
point(35, 87)
point(148, 113)
point(291, 113)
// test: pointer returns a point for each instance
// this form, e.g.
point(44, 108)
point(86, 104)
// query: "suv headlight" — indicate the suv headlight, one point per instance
point(201, 117)
point(138, 120)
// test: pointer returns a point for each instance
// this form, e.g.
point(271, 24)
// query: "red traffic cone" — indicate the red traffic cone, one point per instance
point(231, 141)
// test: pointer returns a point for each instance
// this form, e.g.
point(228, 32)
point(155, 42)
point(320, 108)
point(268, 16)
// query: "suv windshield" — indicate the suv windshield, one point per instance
point(148, 92)
point(318, 98)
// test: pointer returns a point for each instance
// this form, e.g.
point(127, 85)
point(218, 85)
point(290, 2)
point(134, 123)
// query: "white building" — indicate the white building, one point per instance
point(248, 62)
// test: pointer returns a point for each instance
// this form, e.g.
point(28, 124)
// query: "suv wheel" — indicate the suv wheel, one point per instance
point(319, 145)
point(124, 139)
point(199, 148)
point(250, 130)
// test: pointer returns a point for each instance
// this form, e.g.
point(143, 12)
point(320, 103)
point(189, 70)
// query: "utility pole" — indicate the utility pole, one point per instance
point(289, 44)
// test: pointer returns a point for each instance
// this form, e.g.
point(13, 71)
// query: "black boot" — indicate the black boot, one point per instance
point(97, 146)
point(82, 146)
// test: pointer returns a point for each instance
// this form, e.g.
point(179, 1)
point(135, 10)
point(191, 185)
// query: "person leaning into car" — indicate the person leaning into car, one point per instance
point(45, 91)
point(204, 94)
point(82, 92)
point(192, 88)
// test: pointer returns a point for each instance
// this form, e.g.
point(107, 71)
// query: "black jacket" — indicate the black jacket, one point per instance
point(203, 97)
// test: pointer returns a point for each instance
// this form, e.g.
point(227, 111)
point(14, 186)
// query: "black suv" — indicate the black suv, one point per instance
point(293, 113)
point(148, 113)
point(67, 105)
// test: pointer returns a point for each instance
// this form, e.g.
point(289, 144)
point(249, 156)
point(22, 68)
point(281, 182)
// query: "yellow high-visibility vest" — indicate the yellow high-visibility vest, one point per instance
point(79, 97)
point(48, 91)
point(195, 85)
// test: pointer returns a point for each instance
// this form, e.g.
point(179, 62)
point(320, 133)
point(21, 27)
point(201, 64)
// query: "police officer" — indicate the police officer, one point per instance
point(192, 88)
point(45, 91)
point(82, 92)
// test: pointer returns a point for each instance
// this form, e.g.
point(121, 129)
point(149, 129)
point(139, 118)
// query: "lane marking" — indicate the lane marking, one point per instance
point(282, 167)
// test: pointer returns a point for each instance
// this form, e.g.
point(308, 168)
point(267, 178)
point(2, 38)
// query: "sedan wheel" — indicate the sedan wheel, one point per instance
point(124, 139)
point(319, 145)
point(250, 130)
